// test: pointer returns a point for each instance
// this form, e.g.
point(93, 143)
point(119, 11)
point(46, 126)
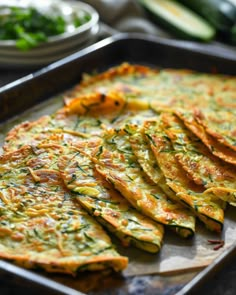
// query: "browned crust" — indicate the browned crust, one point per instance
point(216, 148)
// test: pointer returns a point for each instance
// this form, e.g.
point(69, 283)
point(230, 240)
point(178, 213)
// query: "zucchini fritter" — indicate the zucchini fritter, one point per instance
point(116, 161)
point(187, 192)
point(117, 131)
point(201, 166)
point(41, 224)
point(100, 199)
point(220, 124)
point(218, 149)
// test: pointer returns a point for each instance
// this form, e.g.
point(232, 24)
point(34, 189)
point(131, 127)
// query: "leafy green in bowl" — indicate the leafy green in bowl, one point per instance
point(29, 27)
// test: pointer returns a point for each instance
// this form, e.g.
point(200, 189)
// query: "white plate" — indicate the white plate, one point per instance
point(56, 46)
point(35, 62)
point(42, 51)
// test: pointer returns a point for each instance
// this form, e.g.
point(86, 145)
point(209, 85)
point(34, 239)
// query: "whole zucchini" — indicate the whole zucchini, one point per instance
point(219, 13)
point(178, 19)
point(233, 34)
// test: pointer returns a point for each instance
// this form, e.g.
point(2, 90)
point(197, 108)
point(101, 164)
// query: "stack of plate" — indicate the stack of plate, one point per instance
point(58, 46)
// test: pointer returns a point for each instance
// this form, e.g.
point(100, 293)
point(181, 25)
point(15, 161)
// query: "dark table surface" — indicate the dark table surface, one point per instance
point(223, 283)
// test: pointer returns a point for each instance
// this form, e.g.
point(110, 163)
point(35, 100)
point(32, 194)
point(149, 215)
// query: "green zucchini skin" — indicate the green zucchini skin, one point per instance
point(219, 13)
point(233, 34)
point(163, 13)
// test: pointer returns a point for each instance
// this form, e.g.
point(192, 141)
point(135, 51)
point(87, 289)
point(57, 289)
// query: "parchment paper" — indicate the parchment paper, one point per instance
point(177, 254)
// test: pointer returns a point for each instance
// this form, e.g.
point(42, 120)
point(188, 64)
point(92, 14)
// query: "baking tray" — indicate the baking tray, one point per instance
point(60, 76)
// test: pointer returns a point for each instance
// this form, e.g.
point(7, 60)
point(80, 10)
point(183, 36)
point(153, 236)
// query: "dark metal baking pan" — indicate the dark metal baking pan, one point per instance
point(60, 76)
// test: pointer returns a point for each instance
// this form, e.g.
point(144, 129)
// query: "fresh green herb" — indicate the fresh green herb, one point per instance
point(156, 196)
point(125, 149)
point(82, 19)
point(150, 138)
point(134, 221)
point(80, 168)
point(73, 178)
point(29, 27)
point(88, 237)
point(100, 151)
point(78, 121)
point(103, 250)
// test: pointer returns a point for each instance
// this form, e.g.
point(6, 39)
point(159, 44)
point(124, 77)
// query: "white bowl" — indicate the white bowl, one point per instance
point(56, 46)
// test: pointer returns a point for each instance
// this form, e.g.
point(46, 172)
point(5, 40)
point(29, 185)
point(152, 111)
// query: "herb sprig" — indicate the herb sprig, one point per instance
point(29, 27)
